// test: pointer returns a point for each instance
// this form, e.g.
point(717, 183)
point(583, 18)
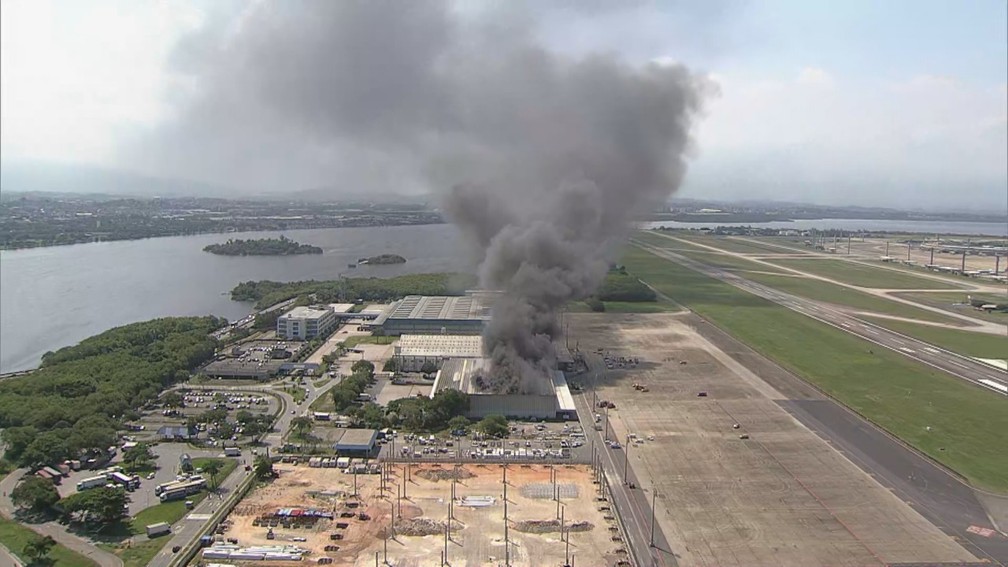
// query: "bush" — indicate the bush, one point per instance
point(595, 304)
point(493, 426)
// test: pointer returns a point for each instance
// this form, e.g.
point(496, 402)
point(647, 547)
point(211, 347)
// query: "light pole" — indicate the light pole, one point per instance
point(626, 460)
point(654, 495)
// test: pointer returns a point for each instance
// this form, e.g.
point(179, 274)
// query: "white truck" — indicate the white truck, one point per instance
point(180, 492)
point(160, 528)
point(232, 452)
point(92, 482)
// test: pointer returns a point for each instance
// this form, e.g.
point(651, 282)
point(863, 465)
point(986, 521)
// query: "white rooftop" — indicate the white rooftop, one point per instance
point(341, 307)
point(302, 312)
point(450, 346)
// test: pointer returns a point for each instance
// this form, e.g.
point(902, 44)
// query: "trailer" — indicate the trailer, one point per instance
point(232, 452)
point(176, 483)
point(91, 482)
point(180, 492)
point(128, 482)
point(160, 528)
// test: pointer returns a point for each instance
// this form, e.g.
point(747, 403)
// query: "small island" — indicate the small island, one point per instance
point(383, 259)
point(282, 246)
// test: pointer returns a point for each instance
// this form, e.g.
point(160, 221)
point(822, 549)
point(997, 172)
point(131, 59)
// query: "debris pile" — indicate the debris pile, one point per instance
point(423, 527)
point(548, 526)
point(444, 474)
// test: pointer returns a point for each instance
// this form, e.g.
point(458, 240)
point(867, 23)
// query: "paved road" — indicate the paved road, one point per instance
point(53, 529)
point(633, 505)
point(8, 558)
point(965, 368)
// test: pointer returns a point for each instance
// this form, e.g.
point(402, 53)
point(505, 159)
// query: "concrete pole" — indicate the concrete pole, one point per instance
point(626, 460)
point(563, 511)
point(376, 559)
point(887, 248)
point(963, 269)
point(654, 495)
point(997, 264)
point(932, 256)
point(848, 243)
point(908, 251)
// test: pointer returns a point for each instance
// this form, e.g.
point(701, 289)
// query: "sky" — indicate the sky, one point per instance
point(897, 103)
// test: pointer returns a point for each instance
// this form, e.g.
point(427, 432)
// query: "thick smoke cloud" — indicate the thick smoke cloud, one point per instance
point(542, 160)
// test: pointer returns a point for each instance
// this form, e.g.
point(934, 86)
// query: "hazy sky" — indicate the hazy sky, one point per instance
point(896, 103)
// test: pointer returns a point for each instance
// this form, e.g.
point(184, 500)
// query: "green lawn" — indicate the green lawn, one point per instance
point(956, 302)
point(979, 345)
point(170, 512)
point(864, 276)
point(732, 244)
point(351, 342)
point(228, 465)
point(14, 536)
point(626, 307)
point(705, 255)
point(900, 395)
point(840, 295)
point(140, 554)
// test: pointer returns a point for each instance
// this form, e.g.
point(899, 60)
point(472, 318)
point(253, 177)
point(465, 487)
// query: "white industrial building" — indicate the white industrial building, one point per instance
point(305, 323)
point(553, 401)
point(411, 352)
point(437, 314)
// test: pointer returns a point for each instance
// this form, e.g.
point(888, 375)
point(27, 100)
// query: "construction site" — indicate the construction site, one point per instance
point(555, 516)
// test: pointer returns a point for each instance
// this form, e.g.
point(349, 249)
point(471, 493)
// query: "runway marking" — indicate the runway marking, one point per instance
point(984, 532)
point(867, 330)
point(931, 350)
point(959, 364)
point(845, 325)
point(996, 385)
point(905, 349)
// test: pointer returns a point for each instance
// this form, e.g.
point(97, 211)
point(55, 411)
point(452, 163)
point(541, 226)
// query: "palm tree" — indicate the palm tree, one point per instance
point(38, 547)
point(212, 468)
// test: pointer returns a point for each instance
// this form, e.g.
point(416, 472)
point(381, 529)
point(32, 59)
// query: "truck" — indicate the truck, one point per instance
point(232, 452)
point(160, 528)
point(91, 482)
point(128, 482)
point(180, 492)
point(177, 483)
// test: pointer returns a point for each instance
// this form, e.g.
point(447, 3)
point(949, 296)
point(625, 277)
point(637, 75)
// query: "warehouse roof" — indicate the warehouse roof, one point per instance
point(460, 373)
point(465, 307)
point(451, 346)
point(357, 440)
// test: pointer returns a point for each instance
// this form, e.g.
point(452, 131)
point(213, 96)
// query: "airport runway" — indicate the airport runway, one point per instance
point(965, 368)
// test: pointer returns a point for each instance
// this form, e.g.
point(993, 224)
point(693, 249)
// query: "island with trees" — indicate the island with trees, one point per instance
point(266, 293)
point(282, 246)
point(383, 259)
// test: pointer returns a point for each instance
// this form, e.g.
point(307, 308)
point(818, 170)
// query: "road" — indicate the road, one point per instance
point(187, 530)
point(633, 505)
point(965, 368)
point(53, 529)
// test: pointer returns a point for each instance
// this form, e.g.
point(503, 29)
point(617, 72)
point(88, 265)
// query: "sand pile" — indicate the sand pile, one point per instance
point(548, 526)
point(444, 474)
point(423, 527)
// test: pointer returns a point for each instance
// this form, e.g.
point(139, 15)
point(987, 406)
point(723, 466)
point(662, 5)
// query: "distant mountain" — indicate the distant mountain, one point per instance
point(28, 177)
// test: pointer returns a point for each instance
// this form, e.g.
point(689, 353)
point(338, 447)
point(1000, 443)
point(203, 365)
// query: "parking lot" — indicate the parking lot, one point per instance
point(256, 358)
point(196, 402)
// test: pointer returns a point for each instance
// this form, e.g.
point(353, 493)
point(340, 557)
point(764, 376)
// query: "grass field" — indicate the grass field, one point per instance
point(14, 536)
point(864, 276)
point(626, 307)
point(840, 295)
point(956, 302)
point(228, 466)
point(900, 395)
point(170, 512)
point(355, 340)
point(744, 246)
point(705, 255)
point(979, 345)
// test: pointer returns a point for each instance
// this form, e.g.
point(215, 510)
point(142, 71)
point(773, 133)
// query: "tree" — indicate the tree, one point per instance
point(302, 425)
point(595, 304)
point(458, 423)
point(363, 367)
point(34, 493)
point(48, 447)
point(493, 426)
point(38, 548)
point(263, 468)
point(172, 400)
point(100, 505)
point(343, 397)
point(138, 456)
point(213, 468)
point(372, 416)
point(17, 440)
point(391, 365)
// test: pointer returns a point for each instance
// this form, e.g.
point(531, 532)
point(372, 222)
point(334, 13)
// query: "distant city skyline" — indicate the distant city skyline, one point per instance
point(897, 104)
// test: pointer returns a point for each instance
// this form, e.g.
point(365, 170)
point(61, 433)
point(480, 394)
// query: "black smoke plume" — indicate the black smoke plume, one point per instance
point(542, 159)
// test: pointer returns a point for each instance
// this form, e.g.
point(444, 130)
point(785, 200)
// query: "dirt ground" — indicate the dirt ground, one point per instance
point(477, 537)
point(781, 497)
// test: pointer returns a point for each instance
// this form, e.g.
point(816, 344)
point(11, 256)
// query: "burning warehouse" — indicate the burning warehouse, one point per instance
point(551, 400)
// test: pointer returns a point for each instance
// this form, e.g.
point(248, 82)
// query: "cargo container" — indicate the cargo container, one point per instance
point(160, 528)
point(92, 482)
point(342, 462)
